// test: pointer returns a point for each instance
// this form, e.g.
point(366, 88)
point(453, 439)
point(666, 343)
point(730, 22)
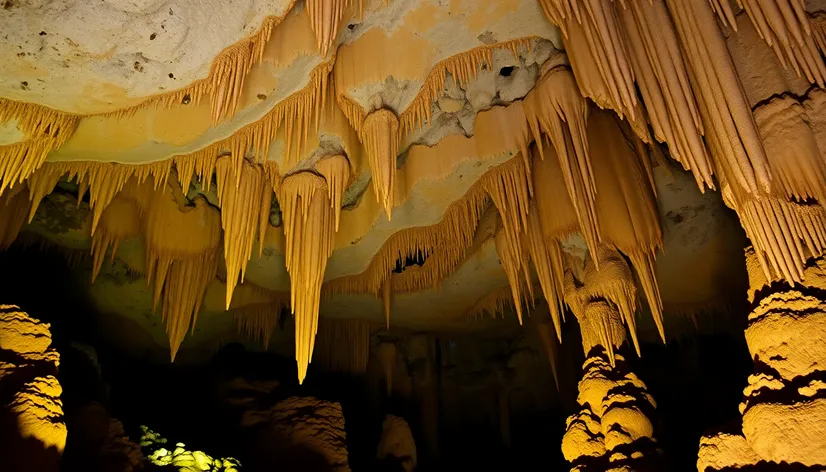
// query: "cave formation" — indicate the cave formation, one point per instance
point(413, 235)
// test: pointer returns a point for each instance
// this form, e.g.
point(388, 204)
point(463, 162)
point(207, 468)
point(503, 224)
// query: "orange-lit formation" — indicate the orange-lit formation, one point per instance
point(514, 148)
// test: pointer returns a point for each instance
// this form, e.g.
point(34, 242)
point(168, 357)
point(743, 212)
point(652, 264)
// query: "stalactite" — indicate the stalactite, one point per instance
point(45, 130)
point(492, 304)
point(549, 344)
point(257, 321)
point(325, 18)
point(387, 298)
point(796, 162)
point(103, 179)
point(343, 346)
point(547, 260)
point(730, 127)
point(784, 25)
point(463, 68)
point(336, 171)
point(817, 22)
point(14, 205)
point(182, 247)
point(453, 235)
point(784, 234)
point(556, 108)
point(664, 85)
point(557, 216)
point(309, 226)
point(120, 220)
point(386, 353)
point(626, 206)
point(514, 264)
point(380, 135)
point(240, 199)
point(183, 293)
point(297, 113)
point(509, 190)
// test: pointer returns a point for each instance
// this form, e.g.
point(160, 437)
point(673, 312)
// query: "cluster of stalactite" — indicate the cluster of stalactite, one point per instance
point(613, 430)
point(577, 168)
point(344, 345)
point(784, 403)
point(695, 82)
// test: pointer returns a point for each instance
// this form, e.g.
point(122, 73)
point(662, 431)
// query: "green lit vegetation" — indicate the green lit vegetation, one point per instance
point(159, 453)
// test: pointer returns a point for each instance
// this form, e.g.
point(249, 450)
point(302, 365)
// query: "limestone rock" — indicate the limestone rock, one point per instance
point(299, 433)
point(33, 426)
point(397, 444)
point(722, 449)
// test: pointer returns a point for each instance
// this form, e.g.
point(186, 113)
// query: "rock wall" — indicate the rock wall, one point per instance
point(31, 412)
point(297, 433)
point(397, 448)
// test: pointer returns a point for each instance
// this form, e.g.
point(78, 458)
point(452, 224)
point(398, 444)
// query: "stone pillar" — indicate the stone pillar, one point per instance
point(32, 425)
point(784, 403)
point(426, 391)
point(612, 431)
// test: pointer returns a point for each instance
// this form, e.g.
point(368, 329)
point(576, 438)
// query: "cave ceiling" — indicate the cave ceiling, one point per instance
point(422, 163)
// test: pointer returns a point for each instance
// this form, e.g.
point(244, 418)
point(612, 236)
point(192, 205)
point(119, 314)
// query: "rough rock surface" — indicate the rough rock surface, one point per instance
point(99, 442)
point(31, 412)
point(397, 444)
point(300, 433)
point(93, 57)
point(784, 403)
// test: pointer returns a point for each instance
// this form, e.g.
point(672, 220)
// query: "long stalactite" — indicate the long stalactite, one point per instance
point(309, 226)
point(241, 207)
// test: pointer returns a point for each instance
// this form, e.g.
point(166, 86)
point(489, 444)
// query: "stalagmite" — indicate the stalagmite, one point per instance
point(613, 429)
point(33, 428)
point(386, 353)
point(240, 197)
point(309, 226)
point(784, 403)
point(380, 136)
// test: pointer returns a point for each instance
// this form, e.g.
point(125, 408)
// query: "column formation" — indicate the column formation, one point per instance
point(613, 430)
point(784, 403)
